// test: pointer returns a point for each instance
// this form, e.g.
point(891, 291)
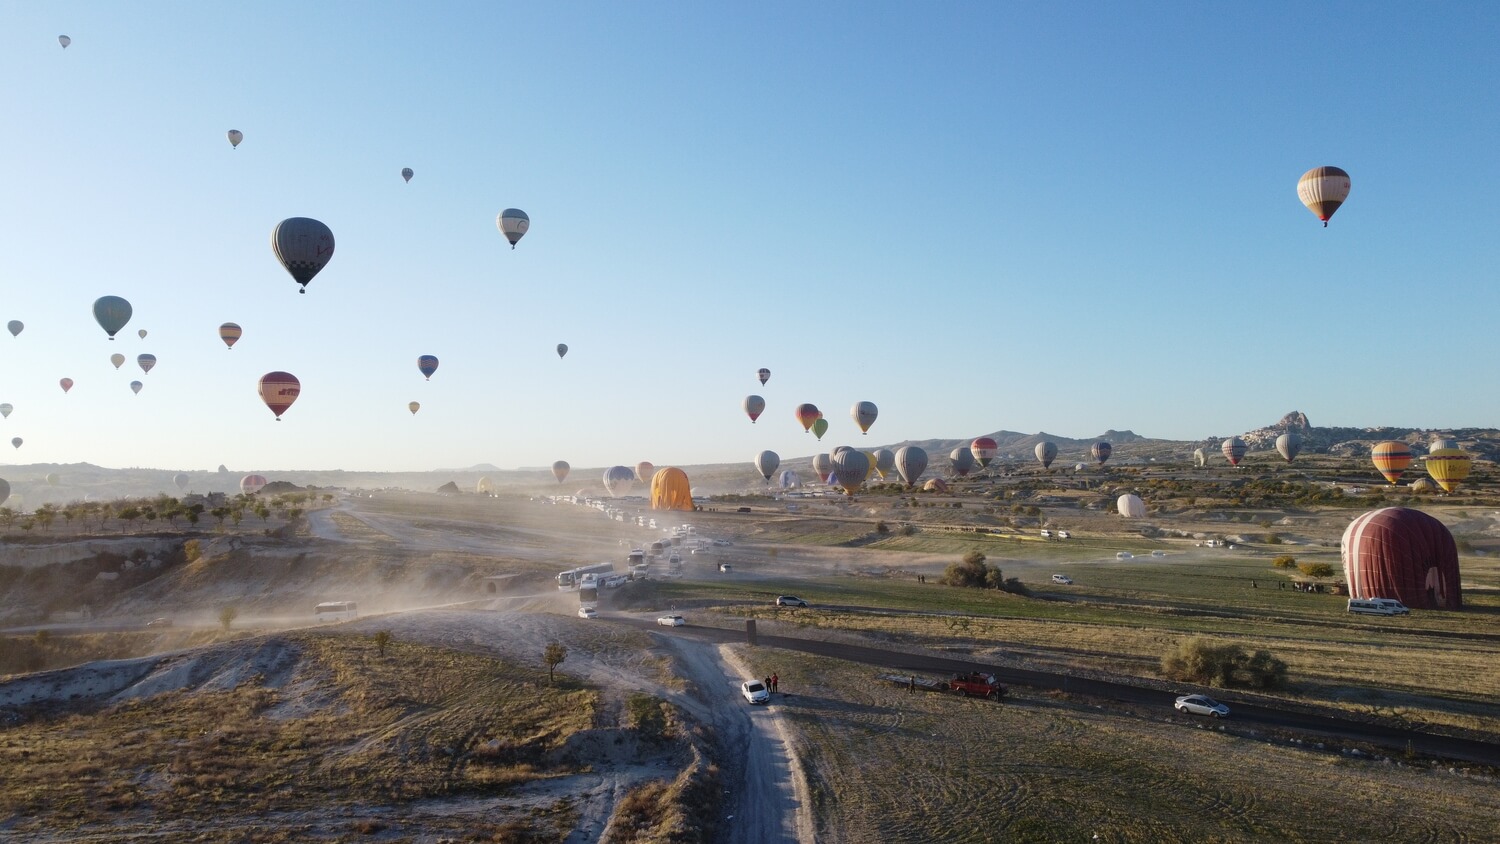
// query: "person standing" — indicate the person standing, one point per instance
point(911, 685)
point(775, 678)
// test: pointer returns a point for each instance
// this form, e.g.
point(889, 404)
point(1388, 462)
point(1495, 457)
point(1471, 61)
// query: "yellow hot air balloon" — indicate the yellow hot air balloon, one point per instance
point(1449, 467)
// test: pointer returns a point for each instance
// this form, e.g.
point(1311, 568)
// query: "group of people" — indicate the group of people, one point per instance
point(771, 682)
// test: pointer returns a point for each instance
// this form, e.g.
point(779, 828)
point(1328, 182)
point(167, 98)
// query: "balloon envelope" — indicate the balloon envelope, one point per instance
point(513, 223)
point(823, 465)
point(17, 442)
point(754, 406)
point(863, 413)
point(885, 461)
point(278, 390)
point(235, 136)
point(64, 41)
point(146, 362)
point(1403, 554)
point(1131, 506)
point(141, 334)
point(1449, 467)
point(251, 484)
point(427, 364)
point(962, 460)
point(670, 490)
point(303, 246)
point(935, 485)
point(1391, 458)
point(618, 480)
point(414, 407)
point(5, 410)
point(1289, 445)
point(1046, 452)
point(807, 414)
point(1234, 450)
point(911, 462)
point(764, 375)
point(984, 449)
point(407, 173)
point(1200, 457)
point(560, 470)
point(135, 387)
point(787, 480)
point(819, 427)
point(66, 384)
point(53, 479)
point(117, 359)
point(562, 350)
point(230, 334)
point(643, 471)
point(850, 467)
point(1102, 451)
point(181, 480)
point(1323, 190)
point(15, 327)
point(112, 312)
point(766, 463)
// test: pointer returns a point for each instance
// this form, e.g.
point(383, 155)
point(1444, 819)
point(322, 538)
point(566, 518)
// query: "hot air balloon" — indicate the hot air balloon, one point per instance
point(4, 490)
point(112, 312)
point(1102, 451)
point(885, 461)
point(146, 362)
point(1079, 467)
point(1323, 190)
point(251, 484)
point(1234, 450)
point(235, 136)
point(823, 465)
point(670, 490)
point(618, 480)
point(513, 223)
point(230, 333)
point(850, 468)
point(485, 486)
point(766, 463)
point(754, 406)
point(787, 480)
point(1131, 506)
point(911, 462)
point(984, 450)
point(1046, 452)
point(181, 480)
point(1449, 467)
point(764, 375)
point(1200, 457)
point(560, 470)
point(1405, 554)
point(427, 364)
point(303, 246)
point(407, 173)
point(820, 427)
point(5, 410)
point(66, 384)
point(807, 414)
point(278, 390)
point(15, 327)
point(135, 387)
point(562, 350)
point(962, 461)
point(17, 442)
point(414, 407)
point(141, 334)
point(53, 479)
point(1289, 445)
point(1441, 443)
point(935, 485)
point(64, 41)
point(1391, 458)
point(643, 471)
point(863, 413)
point(117, 359)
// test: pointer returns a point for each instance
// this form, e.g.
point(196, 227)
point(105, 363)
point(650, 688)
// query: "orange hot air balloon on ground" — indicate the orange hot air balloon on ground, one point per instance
point(807, 414)
point(1449, 467)
point(1391, 458)
point(670, 490)
point(278, 390)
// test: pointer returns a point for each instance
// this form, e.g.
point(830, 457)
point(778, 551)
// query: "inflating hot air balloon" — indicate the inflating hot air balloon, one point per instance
point(66, 384)
point(935, 485)
point(17, 442)
point(764, 375)
point(414, 407)
point(984, 450)
point(618, 480)
point(251, 484)
point(5, 410)
point(513, 223)
point(560, 470)
point(1403, 554)
point(15, 327)
point(962, 461)
point(278, 390)
point(117, 359)
point(850, 467)
point(303, 246)
point(863, 413)
point(807, 414)
point(1323, 190)
point(53, 479)
point(64, 41)
point(427, 364)
point(1449, 467)
point(1046, 452)
point(407, 173)
point(787, 480)
point(1102, 451)
point(1131, 506)
point(141, 334)
point(1289, 445)
point(235, 136)
point(1234, 450)
point(643, 471)
point(1200, 457)
point(911, 462)
point(562, 350)
point(4, 490)
point(823, 465)
point(112, 312)
point(885, 461)
point(754, 406)
point(181, 480)
point(819, 427)
point(766, 463)
point(670, 490)
point(146, 362)
point(485, 486)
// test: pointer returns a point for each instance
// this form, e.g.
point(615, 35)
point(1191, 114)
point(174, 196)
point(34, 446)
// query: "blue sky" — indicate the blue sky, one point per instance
point(1061, 217)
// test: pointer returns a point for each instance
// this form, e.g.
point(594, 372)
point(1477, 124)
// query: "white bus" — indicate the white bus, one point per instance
point(335, 611)
point(568, 580)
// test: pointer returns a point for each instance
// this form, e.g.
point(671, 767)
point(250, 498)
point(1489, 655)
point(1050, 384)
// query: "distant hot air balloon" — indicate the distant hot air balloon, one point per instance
point(863, 413)
point(823, 465)
point(117, 359)
point(407, 173)
point(141, 334)
point(1449, 467)
point(1441, 443)
point(15, 327)
point(427, 364)
point(16, 442)
point(764, 375)
point(766, 463)
point(5, 410)
point(303, 246)
point(1391, 458)
point(111, 312)
point(562, 350)
point(885, 461)
point(66, 384)
point(414, 407)
point(251, 484)
point(1200, 457)
point(937, 485)
point(1323, 190)
point(1131, 506)
point(4, 490)
point(1079, 467)
point(911, 462)
point(984, 450)
point(181, 480)
point(513, 223)
point(1289, 445)
point(618, 480)
point(485, 486)
point(1046, 452)
point(235, 136)
point(230, 334)
point(278, 390)
point(135, 387)
point(146, 362)
point(787, 480)
point(754, 406)
point(819, 427)
point(64, 41)
point(53, 479)
point(850, 468)
point(807, 414)
point(962, 460)
point(560, 470)
point(1234, 450)
point(1101, 451)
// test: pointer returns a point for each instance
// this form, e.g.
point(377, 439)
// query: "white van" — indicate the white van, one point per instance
point(1400, 608)
point(1376, 606)
point(1046, 534)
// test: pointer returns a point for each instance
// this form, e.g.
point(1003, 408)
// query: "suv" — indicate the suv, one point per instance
point(790, 601)
point(1063, 579)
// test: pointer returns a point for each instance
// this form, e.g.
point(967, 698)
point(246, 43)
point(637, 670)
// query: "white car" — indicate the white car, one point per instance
point(1063, 579)
point(1201, 705)
point(1062, 534)
point(789, 601)
point(671, 621)
point(723, 543)
point(755, 691)
point(587, 612)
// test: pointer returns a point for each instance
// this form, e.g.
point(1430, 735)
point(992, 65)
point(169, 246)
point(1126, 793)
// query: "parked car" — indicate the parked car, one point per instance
point(587, 612)
point(755, 691)
point(790, 601)
point(1062, 534)
point(1063, 579)
point(726, 568)
point(159, 622)
point(1201, 705)
point(723, 543)
point(671, 621)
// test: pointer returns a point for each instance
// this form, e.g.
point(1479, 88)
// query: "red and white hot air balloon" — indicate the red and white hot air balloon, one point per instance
point(278, 390)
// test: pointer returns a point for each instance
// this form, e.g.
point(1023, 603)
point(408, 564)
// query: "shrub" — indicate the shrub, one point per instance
point(908, 530)
point(882, 527)
point(1014, 586)
point(1316, 569)
point(1222, 664)
point(971, 571)
point(1285, 561)
point(193, 550)
point(382, 641)
point(1273, 539)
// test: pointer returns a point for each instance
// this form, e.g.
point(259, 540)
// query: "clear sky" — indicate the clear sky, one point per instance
point(1047, 216)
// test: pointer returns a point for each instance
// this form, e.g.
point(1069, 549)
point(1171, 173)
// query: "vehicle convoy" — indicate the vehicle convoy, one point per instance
point(967, 684)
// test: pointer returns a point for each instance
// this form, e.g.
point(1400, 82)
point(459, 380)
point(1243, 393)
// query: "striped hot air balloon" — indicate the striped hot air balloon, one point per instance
point(427, 364)
point(1323, 190)
point(807, 414)
point(1234, 450)
point(984, 450)
point(1449, 467)
point(251, 484)
point(754, 406)
point(1391, 458)
point(1046, 452)
point(1101, 451)
point(1405, 554)
point(230, 333)
point(278, 390)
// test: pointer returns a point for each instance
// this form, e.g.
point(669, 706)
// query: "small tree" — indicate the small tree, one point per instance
point(1316, 569)
point(553, 656)
point(382, 640)
point(1285, 561)
point(227, 615)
